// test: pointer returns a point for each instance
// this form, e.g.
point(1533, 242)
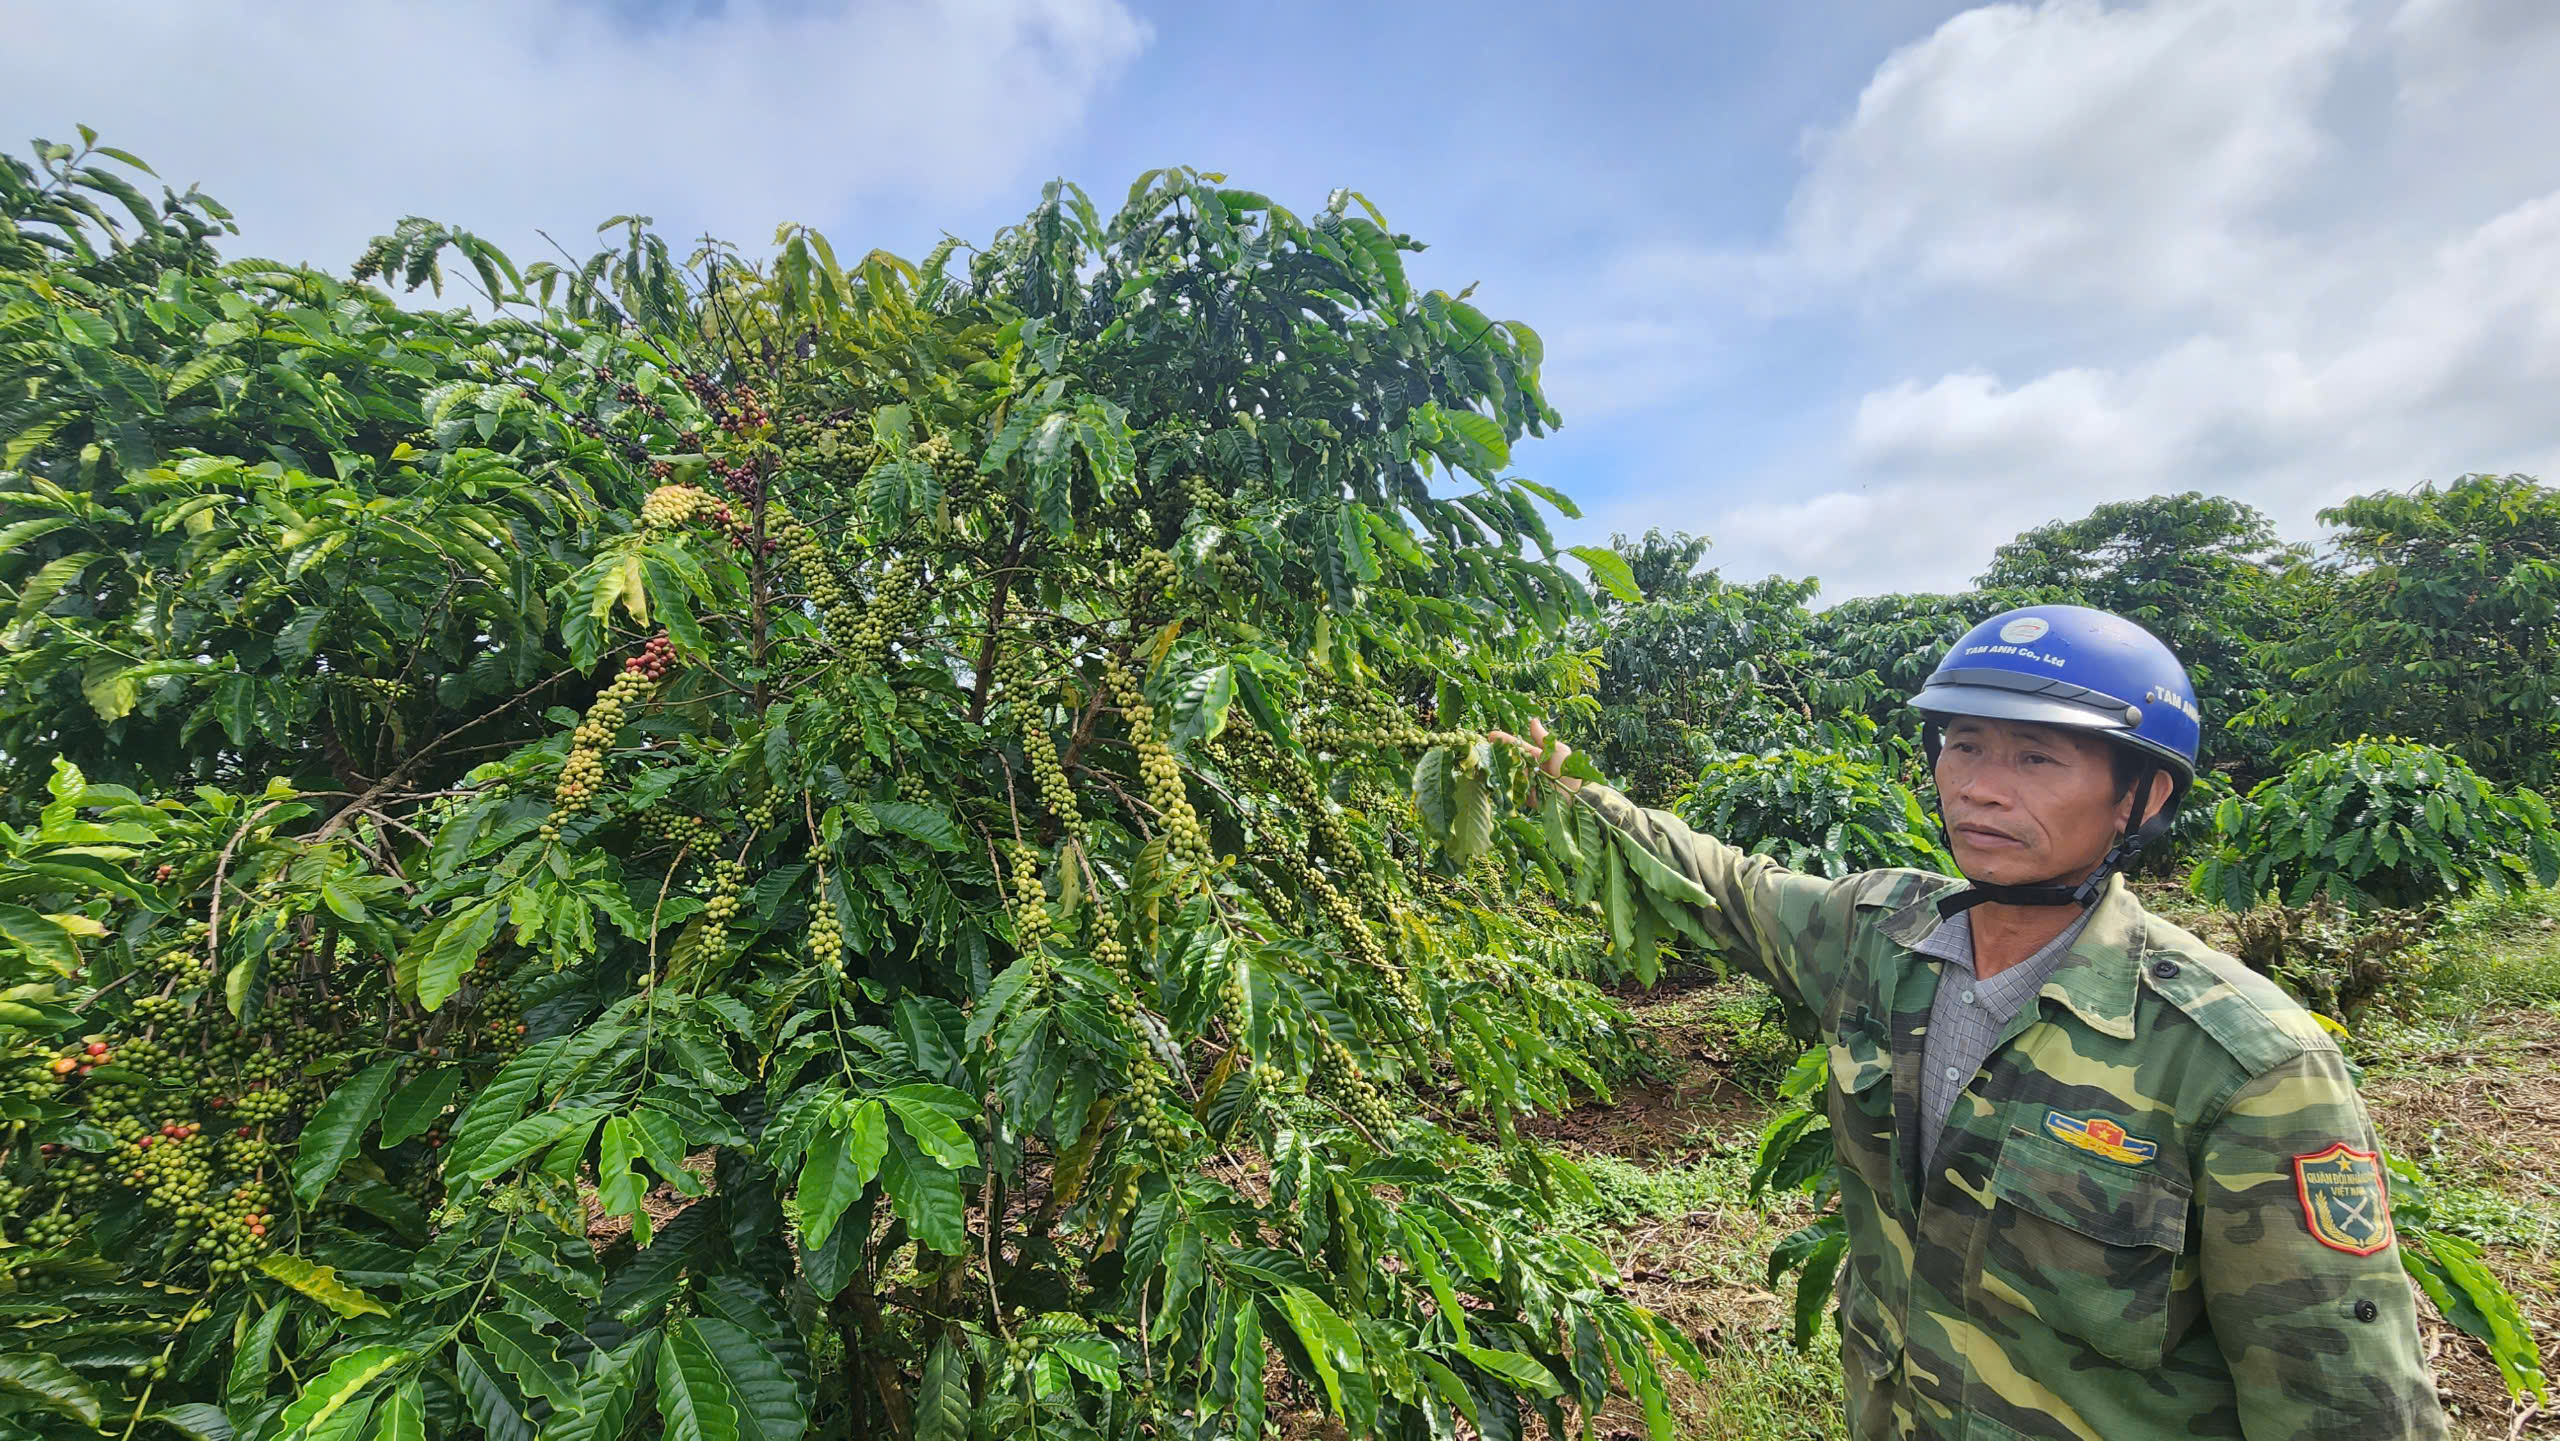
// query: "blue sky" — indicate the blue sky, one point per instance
point(1858, 288)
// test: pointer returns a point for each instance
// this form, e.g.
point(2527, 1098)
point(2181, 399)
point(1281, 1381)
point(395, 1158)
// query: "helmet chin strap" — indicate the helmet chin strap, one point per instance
point(2054, 893)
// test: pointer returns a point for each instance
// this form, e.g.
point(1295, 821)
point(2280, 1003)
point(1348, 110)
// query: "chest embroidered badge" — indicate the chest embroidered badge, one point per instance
point(2344, 1201)
point(2100, 1137)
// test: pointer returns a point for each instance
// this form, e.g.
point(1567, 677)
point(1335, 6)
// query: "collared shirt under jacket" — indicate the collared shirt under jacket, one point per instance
point(2156, 1210)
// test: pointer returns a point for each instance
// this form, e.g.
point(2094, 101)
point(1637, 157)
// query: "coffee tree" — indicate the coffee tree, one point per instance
point(728, 849)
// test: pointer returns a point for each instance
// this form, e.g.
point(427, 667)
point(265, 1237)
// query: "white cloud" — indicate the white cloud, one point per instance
point(2432, 373)
point(2232, 260)
point(2072, 149)
point(2444, 45)
point(322, 122)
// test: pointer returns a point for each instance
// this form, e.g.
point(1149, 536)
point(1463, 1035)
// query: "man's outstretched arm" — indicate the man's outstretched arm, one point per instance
point(1788, 928)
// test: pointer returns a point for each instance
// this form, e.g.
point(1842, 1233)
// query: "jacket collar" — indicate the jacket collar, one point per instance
point(2097, 980)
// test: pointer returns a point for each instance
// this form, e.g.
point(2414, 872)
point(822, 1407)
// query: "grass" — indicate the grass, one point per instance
point(2491, 952)
point(1669, 1168)
point(1693, 1249)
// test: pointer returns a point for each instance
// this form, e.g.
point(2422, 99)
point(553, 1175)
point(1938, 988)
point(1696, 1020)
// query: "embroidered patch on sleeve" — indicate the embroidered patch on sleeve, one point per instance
point(2344, 1201)
point(2100, 1137)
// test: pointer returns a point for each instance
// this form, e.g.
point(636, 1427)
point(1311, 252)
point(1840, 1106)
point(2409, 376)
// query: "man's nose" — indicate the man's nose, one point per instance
point(1980, 785)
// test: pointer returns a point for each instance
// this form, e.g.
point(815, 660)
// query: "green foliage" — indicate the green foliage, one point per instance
point(927, 768)
point(2376, 823)
point(1643, 904)
point(1700, 665)
point(2447, 1267)
point(1823, 812)
point(2441, 621)
point(260, 522)
point(1797, 1154)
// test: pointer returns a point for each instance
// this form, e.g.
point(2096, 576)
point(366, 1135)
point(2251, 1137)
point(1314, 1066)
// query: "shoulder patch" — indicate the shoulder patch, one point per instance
point(2248, 1015)
point(2345, 1203)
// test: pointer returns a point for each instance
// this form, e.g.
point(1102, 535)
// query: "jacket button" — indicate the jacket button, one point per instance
point(2366, 1310)
point(2165, 970)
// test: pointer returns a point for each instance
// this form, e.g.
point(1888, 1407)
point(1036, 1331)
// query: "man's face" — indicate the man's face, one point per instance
point(2027, 804)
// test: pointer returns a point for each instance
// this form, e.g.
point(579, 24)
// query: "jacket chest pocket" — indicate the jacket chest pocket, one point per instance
point(2093, 1249)
point(1862, 1099)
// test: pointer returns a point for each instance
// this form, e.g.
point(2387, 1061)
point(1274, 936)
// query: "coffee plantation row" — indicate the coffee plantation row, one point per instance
point(734, 848)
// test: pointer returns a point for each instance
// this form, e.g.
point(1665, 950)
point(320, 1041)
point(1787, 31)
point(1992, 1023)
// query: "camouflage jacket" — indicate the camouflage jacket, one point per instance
point(2156, 1211)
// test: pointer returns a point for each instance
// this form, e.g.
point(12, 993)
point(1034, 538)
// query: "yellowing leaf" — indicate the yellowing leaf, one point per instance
point(321, 1284)
point(635, 587)
point(344, 1382)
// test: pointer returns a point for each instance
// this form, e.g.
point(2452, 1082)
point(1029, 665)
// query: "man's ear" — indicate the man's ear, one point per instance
point(2145, 798)
point(2155, 794)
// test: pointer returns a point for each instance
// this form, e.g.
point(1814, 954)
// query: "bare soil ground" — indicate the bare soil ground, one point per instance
point(2482, 1111)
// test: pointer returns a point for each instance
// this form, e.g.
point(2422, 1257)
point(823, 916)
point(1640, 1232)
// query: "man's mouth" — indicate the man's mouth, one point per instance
point(1987, 836)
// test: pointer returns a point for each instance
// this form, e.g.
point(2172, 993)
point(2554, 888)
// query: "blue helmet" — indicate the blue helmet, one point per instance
point(2068, 665)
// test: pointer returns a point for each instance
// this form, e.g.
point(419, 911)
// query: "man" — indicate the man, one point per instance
point(2100, 1180)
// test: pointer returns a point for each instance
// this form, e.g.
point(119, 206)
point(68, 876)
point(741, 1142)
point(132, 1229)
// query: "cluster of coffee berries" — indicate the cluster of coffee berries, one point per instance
point(630, 395)
point(156, 1011)
point(260, 1102)
point(826, 932)
point(181, 963)
point(963, 483)
point(836, 450)
point(1030, 905)
point(1040, 749)
point(893, 606)
point(673, 507)
point(1232, 1000)
point(1288, 772)
point(582, 775)
point(721, 897)
point(237, 1229)
point(381, 688)
point(1202, 493)
point(160, 1065)
point(79, 1060)
point(838, 614)
point(1157, 768)
point(742, 479)
point(681, 829)
point(1343, 1073)
point(737, 408)
point(54, 1228)
point(1153, 574)
point(1148, 1080)
point(1366, 718)
point(170, 1165)
point(500, 1031)
point(1234, 568)
point(1322, 897)
point(937, 453)
point(1148, 1090)
point(740, 410)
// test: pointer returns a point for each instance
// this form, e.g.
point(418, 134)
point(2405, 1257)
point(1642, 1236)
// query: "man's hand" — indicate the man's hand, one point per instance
point(1544, 751)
